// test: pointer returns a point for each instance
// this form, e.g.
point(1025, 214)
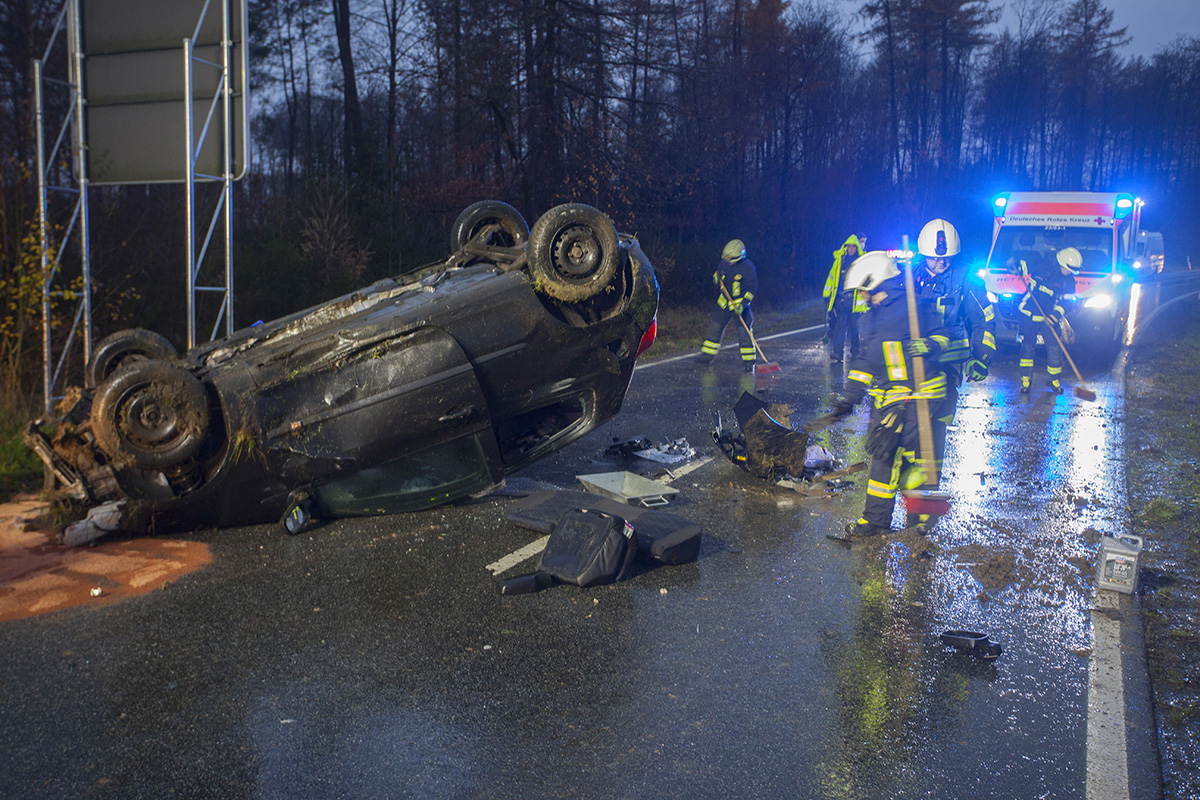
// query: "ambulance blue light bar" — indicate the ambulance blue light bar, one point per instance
point(1124, 206)
point(999, 204)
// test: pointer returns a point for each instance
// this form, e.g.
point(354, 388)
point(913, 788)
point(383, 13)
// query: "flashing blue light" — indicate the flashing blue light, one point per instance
point(999, 203)
point(1124, 206)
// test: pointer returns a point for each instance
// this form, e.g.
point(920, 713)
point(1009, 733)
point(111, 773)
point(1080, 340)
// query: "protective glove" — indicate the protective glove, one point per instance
point(885, 435)
point(975, 370)
point(923, 347)
point(1068, 333)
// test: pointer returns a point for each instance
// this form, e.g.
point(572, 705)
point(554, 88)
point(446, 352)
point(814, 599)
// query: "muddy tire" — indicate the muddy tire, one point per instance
point(512, 229)
point(574, 252)
point(123, 348)
point(150, 415)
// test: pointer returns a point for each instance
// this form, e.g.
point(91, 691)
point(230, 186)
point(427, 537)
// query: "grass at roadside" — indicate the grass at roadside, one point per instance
point(20, 469)
point(1162, 451)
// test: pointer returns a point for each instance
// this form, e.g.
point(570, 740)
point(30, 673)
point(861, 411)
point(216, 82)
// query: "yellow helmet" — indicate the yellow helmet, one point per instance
point(735, 250)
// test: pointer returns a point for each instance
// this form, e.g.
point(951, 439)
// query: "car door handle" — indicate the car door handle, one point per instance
point(461, 413)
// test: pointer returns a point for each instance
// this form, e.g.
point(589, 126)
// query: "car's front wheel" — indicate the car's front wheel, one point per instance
point(150, 415)
point(574, 252)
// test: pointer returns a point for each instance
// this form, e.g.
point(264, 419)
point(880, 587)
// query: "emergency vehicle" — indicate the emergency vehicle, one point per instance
point(1034, 226)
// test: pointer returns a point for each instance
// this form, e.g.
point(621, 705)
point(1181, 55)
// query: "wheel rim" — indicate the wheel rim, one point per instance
point(147, 423)
point(577, 252)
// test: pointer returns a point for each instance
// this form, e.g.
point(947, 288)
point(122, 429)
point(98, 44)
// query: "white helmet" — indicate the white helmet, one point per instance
point(869, 270)
point(1070, 259)
point(938, 239)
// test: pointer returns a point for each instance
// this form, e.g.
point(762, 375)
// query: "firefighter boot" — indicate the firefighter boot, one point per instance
point(1024, 385)
point(1056, 387)
point(860, 529)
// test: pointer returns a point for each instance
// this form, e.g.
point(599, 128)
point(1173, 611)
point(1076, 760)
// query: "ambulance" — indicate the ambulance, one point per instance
point(1034, 226)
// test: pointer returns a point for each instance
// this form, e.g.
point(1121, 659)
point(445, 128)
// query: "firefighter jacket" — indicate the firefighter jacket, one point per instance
point(964, 310)
point(833, 283)
point(884, 368)
point(740, 280)
point(1048, 285)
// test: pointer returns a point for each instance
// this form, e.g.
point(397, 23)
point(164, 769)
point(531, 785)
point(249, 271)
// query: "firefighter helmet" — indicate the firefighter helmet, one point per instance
point(1070, 259)
point(735, 250)
point(938, 239)
point(869, 270)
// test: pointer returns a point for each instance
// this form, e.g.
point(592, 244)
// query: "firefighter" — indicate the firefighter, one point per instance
point(884, 369)
point(1041, 307)
point(964, 310)
point(841, 321)
point(736, 280)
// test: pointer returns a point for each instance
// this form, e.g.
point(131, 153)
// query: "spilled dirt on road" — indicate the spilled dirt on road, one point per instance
point(38, 576)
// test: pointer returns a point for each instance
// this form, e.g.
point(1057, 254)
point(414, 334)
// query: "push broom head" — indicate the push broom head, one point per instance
point(767, 368)
point(926, 501)
point(1085, 394)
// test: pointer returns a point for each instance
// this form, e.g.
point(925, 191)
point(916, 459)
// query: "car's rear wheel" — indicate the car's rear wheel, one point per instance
point(150, 415)
point(501, 225)
point(123, 348)
point(574, 252)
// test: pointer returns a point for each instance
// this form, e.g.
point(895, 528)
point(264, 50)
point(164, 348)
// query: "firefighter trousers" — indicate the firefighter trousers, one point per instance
point(1054, 358)
point(887, 473)
point(716, 329)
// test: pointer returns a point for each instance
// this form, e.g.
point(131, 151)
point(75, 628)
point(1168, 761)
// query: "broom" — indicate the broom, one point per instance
point(922, 501)
point(1081, 390)
point(759, 369)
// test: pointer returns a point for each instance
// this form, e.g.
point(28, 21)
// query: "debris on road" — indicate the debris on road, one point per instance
point(973, 644)
point(768, 448)
point(100, 520)
point(663, 537)
point(628, 487)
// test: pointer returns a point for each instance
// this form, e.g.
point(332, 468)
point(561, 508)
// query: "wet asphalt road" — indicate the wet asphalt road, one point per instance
point(376, 657)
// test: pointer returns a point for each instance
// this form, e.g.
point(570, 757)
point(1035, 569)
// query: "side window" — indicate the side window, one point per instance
point(416, 481)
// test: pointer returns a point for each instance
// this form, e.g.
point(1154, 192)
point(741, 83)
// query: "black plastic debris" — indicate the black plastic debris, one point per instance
point(628, 447)
point(663, 537)
point(586, 548)
point(973, 644)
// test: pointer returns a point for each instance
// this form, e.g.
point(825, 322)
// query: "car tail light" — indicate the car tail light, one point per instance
point(648, 337)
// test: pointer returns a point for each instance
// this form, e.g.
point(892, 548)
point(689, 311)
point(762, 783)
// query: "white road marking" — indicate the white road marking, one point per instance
point(672, 359)
point(691, 466)
point(517, 556)
point(1107, 753)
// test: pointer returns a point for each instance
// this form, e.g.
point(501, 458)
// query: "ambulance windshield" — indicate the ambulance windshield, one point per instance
point(1033, 243)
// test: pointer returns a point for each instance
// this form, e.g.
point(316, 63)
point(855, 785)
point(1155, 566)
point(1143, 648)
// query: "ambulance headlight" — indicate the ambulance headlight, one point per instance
point(1099, 301)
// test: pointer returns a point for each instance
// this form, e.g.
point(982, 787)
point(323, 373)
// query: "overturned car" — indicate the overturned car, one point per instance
point(413, 392)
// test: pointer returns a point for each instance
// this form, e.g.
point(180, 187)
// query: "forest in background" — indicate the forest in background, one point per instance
point(787, 124)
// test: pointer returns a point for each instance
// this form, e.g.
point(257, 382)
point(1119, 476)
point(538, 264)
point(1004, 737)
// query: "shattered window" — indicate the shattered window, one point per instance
point(416, 481)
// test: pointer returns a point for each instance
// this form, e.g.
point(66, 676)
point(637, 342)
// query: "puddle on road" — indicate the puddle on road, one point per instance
point(38, 576)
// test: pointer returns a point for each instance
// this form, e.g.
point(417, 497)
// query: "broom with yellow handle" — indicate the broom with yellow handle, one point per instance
point(922, 501)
